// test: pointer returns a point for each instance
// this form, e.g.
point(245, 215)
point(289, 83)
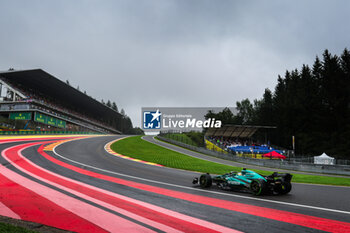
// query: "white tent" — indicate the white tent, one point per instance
point(323, 159)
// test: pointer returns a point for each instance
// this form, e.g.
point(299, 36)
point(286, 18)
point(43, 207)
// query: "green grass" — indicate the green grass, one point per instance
point(181, 138)
point(137, 148)
point(4, 227)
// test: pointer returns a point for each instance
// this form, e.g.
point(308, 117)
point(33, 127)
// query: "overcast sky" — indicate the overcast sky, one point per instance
point(170, 53)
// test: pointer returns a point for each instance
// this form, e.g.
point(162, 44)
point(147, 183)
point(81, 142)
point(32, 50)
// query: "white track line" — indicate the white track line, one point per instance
point(243, 165)
point(5, 211)
point(202, 190)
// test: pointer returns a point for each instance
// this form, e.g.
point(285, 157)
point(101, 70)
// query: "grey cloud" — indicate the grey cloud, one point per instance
point(171, 52)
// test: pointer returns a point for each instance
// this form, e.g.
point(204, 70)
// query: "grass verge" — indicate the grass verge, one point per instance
point(137, 148)
point(180, 138)
point(4, 227)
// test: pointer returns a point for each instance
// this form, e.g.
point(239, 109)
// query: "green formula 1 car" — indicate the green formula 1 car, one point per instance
point(247, 180)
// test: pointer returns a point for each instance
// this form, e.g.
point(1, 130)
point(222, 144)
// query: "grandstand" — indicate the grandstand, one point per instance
point(39, 101)
point(238, 139)
point(235, 131)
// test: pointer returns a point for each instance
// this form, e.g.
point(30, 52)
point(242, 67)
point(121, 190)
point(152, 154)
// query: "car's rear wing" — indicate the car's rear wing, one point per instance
point(285, 176)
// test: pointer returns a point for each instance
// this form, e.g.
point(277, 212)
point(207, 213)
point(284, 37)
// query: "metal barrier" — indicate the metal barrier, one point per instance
point(273, 163)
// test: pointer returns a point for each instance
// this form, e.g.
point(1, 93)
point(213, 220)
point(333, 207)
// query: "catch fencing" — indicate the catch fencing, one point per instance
point(297, 164)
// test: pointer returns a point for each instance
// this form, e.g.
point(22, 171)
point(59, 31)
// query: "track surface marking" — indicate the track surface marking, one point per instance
point(102, 192)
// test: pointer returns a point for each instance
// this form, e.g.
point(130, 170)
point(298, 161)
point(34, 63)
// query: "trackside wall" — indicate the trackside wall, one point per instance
point(289, 165)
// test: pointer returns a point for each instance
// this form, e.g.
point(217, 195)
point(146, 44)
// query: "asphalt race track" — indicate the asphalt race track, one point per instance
point(79, 186)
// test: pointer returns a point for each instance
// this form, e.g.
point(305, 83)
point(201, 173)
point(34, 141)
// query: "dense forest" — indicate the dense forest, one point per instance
point(312, 104)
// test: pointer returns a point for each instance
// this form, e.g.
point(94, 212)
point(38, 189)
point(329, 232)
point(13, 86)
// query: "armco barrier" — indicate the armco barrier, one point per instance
point(281, 164)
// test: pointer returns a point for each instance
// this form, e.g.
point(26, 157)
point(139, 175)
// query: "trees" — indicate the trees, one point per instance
point(312, 104)
point(226, 116)
point(114, 106)
point(109, 104)
point(245, 111)
point(122, 112)
point(264, 109)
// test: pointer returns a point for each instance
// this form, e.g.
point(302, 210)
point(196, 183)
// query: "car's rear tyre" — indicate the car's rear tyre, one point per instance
point(283, 187)
point(205, 181)
point(257, 187)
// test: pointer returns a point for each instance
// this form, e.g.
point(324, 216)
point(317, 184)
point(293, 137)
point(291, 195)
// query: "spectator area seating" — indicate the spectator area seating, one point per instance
point(253, 149)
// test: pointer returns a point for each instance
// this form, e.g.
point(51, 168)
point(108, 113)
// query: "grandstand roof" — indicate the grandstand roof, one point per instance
point(236, 131)
point(43, 82)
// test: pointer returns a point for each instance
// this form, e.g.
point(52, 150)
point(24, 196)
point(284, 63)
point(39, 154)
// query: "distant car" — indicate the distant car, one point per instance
point(247, 180)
